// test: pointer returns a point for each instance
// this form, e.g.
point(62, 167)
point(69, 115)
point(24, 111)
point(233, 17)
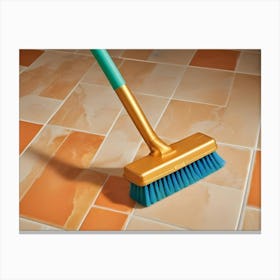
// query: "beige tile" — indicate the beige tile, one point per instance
point(234, 173)
point(205, 85)
point(54, 74)
point(238, 123)
point(90, 108)
point(252, 219)
point(112, 52)
point(123, 140)
point(201, 206)
point(141, 224)
point(182, 57)
point(28, 225)
point(151, 78)
point(36, 157)
point(36, 108)
point(137, 54)
point(249, 63)
point(95, 75)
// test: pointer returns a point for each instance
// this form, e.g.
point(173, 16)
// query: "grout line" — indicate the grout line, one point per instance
point(230, 91)
point(156, 124)
point(236, 146)
point(39, 223)
point(154, 62)
point(44, 166)
point(110, 209)
point(198, 102)
point(58, 108)
point(92, 203)
point(253, 208)
point(246, 192)
point(160, 222)
point(220, 186)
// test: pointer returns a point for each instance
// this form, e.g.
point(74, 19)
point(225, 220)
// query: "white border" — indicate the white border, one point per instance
point(153, 24)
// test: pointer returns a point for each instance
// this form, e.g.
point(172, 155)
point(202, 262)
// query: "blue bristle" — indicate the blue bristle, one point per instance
point(176, 181)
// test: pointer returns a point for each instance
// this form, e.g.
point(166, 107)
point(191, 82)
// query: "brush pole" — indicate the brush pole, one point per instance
point(155, 144)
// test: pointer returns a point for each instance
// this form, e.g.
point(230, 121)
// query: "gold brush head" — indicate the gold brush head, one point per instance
point(151, 168)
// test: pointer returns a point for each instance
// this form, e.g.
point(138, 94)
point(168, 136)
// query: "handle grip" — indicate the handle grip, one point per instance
point(109, 68)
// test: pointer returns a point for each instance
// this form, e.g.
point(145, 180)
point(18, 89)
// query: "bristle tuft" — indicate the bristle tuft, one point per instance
point(176, 181)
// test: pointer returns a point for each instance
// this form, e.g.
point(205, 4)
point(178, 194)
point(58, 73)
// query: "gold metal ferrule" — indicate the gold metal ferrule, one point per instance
point(155, 144)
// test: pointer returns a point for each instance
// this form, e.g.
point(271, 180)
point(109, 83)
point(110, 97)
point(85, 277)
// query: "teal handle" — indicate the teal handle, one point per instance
point(109, 68)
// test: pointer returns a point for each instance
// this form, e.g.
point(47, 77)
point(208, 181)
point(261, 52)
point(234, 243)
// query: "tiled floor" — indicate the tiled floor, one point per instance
point(75, 138)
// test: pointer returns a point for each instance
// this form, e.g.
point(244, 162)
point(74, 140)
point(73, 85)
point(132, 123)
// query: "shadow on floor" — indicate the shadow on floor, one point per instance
point(71, 172)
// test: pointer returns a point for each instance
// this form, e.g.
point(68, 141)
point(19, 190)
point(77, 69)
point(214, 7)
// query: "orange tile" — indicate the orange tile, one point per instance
point(221, 59)
point(99, 219)
point(254, 198)
point(54, 74)
point(37, 155)
point(27, 131)
point(78, 149)
point(64, 191)
point(27, 57)
point(115, 195)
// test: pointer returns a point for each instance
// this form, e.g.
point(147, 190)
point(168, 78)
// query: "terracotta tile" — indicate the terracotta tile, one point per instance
point(62, 195)
point(90, 108)
point(201, 206)
point(28, 225)
point(204, 85)
point(151, 78)
point(99, 219)
point(79, 149)
point(252, 51)
point(137, 54)
point(115, 195)
point(35, 158)
point(182, 57)
point(65, 190)
point(252, 220)
point(54, 74)
point(140, 224)
point(27, 57)
point(237, 123)
point(221, 59)
point(27, 131)
point(254, 198)
point(249, 63)
point(36, 108)
point(234, 173)
point(95, 75)
point(121, 144)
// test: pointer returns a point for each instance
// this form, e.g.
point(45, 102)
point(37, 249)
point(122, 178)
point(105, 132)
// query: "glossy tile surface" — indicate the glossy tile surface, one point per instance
point(54, 74)
point(237, 123)
point(151, 78)
point(70, 176)
point(220, 59)
point(100, 219)
point(65, 190)
point(200, 206)
point(205, 86)
point(91, 108)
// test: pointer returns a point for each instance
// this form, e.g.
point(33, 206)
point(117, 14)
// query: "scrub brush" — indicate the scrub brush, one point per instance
point(168, 168)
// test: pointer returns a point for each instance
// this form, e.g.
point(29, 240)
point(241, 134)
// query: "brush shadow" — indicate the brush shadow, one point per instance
point(71, 172)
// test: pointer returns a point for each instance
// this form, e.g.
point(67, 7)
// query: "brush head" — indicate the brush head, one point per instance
point(151, 168)
point(166, 186)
